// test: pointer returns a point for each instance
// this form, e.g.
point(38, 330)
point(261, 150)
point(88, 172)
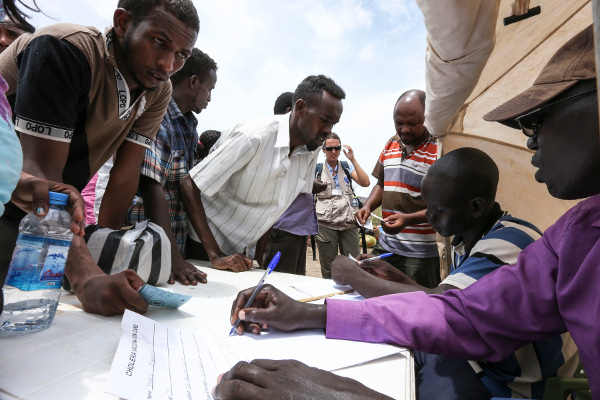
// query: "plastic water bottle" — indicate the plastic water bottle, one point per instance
point(32, 286)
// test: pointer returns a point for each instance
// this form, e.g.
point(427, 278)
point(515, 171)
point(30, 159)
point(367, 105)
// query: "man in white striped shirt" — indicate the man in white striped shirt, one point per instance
point(256, 171)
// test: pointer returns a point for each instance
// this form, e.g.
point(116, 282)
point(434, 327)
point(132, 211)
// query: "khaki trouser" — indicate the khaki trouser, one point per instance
point(328, 242)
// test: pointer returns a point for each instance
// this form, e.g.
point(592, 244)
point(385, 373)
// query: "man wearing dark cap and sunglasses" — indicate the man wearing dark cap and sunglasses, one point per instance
point(552, 288)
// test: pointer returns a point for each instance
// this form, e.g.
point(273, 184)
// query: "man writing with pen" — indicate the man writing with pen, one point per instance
point(460, 190)
point(270, 268)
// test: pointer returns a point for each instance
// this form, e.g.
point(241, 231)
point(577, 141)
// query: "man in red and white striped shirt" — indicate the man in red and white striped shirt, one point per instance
point(400, 169)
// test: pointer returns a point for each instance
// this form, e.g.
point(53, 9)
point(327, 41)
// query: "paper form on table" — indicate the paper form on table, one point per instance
point(308, 346)
point(154, 361)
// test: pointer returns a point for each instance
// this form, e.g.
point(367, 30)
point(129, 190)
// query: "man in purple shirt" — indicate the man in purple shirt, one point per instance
point(550, 290)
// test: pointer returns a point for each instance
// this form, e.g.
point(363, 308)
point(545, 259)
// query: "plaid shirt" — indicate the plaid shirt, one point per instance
point(168, 161)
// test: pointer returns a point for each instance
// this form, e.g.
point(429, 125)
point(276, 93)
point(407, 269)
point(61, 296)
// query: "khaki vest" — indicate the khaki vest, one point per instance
point(335, 212)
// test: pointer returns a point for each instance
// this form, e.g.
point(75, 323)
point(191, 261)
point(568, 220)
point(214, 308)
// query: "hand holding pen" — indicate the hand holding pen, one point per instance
point(270, 269)
point(272, 308)
point(379, 257)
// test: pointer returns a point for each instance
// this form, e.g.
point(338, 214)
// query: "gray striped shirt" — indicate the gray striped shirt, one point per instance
point(249, 180)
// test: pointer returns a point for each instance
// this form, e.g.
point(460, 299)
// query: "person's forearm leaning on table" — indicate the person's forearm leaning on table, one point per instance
point(157, 211)
point(192, 204)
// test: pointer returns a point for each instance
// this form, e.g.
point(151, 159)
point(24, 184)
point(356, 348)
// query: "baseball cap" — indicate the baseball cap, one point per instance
point(572, 63)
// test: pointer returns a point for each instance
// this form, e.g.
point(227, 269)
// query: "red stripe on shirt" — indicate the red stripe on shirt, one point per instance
point(402, 185)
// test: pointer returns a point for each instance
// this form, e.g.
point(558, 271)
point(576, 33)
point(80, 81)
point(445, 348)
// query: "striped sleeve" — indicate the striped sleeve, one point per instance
point(378, 171)
point(499, 247)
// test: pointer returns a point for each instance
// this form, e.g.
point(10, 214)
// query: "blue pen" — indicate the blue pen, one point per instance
point(270, 269)
point(378, 257)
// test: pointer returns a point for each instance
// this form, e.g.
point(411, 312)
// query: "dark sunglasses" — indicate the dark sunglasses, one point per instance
point(530, 128)
point(331, 148)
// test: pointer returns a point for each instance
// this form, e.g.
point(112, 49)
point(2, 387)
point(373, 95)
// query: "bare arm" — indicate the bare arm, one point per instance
point(36, 161)
point(358, 175)
point(376, 278)
point(157, 211)
point(372, 202)
point(100, 293)
point(122, 185)
point(192, 203)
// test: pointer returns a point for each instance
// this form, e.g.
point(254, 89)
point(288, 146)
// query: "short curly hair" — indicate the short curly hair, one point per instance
point(312, 87)
point(198, 63)
point(183, 10)
point(206, 141)
point(283, 102)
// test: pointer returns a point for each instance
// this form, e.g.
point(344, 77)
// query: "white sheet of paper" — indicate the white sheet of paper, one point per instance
point(154, 361)
point(150, 363)
point(367, 225)
point(308, 346)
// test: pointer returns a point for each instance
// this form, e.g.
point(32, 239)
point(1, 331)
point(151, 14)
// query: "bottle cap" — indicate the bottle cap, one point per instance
point(58, 198)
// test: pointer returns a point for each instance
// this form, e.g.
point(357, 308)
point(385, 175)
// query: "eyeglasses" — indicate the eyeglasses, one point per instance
point(530, 128)
point(331, 148)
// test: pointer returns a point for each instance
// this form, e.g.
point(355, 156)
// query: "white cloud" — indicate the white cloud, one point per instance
point(334, 19)
point(366, 54)
point(396, 9)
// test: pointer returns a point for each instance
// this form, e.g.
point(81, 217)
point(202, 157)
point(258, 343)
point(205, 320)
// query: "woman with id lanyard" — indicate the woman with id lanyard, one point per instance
point(337, 205)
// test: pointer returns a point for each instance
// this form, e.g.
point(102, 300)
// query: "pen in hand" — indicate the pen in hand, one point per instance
point(376, 216)
point(270, 269)
point(375, 258)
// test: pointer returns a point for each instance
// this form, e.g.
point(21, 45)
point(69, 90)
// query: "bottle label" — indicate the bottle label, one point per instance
point(54, 264)
point(38, 263)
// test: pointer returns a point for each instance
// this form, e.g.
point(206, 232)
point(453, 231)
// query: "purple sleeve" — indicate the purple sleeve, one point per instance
point(489, 320)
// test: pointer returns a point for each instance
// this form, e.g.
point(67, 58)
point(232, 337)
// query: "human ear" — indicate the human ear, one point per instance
point(193, 81)
point(478, 206)
point(121, 21)
point(300, 108)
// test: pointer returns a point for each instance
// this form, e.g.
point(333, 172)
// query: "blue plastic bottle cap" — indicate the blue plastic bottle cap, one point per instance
point(58, 198)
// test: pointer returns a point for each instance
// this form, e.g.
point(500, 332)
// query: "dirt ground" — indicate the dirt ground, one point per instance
point(313, 268)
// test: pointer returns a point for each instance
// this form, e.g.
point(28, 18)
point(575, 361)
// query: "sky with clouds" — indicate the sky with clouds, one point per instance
point(374, 49)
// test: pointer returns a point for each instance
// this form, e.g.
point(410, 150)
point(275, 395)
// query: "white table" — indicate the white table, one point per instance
point(72, 358)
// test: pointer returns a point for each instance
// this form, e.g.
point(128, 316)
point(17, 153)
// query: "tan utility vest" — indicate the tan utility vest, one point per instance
point(335, 211)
